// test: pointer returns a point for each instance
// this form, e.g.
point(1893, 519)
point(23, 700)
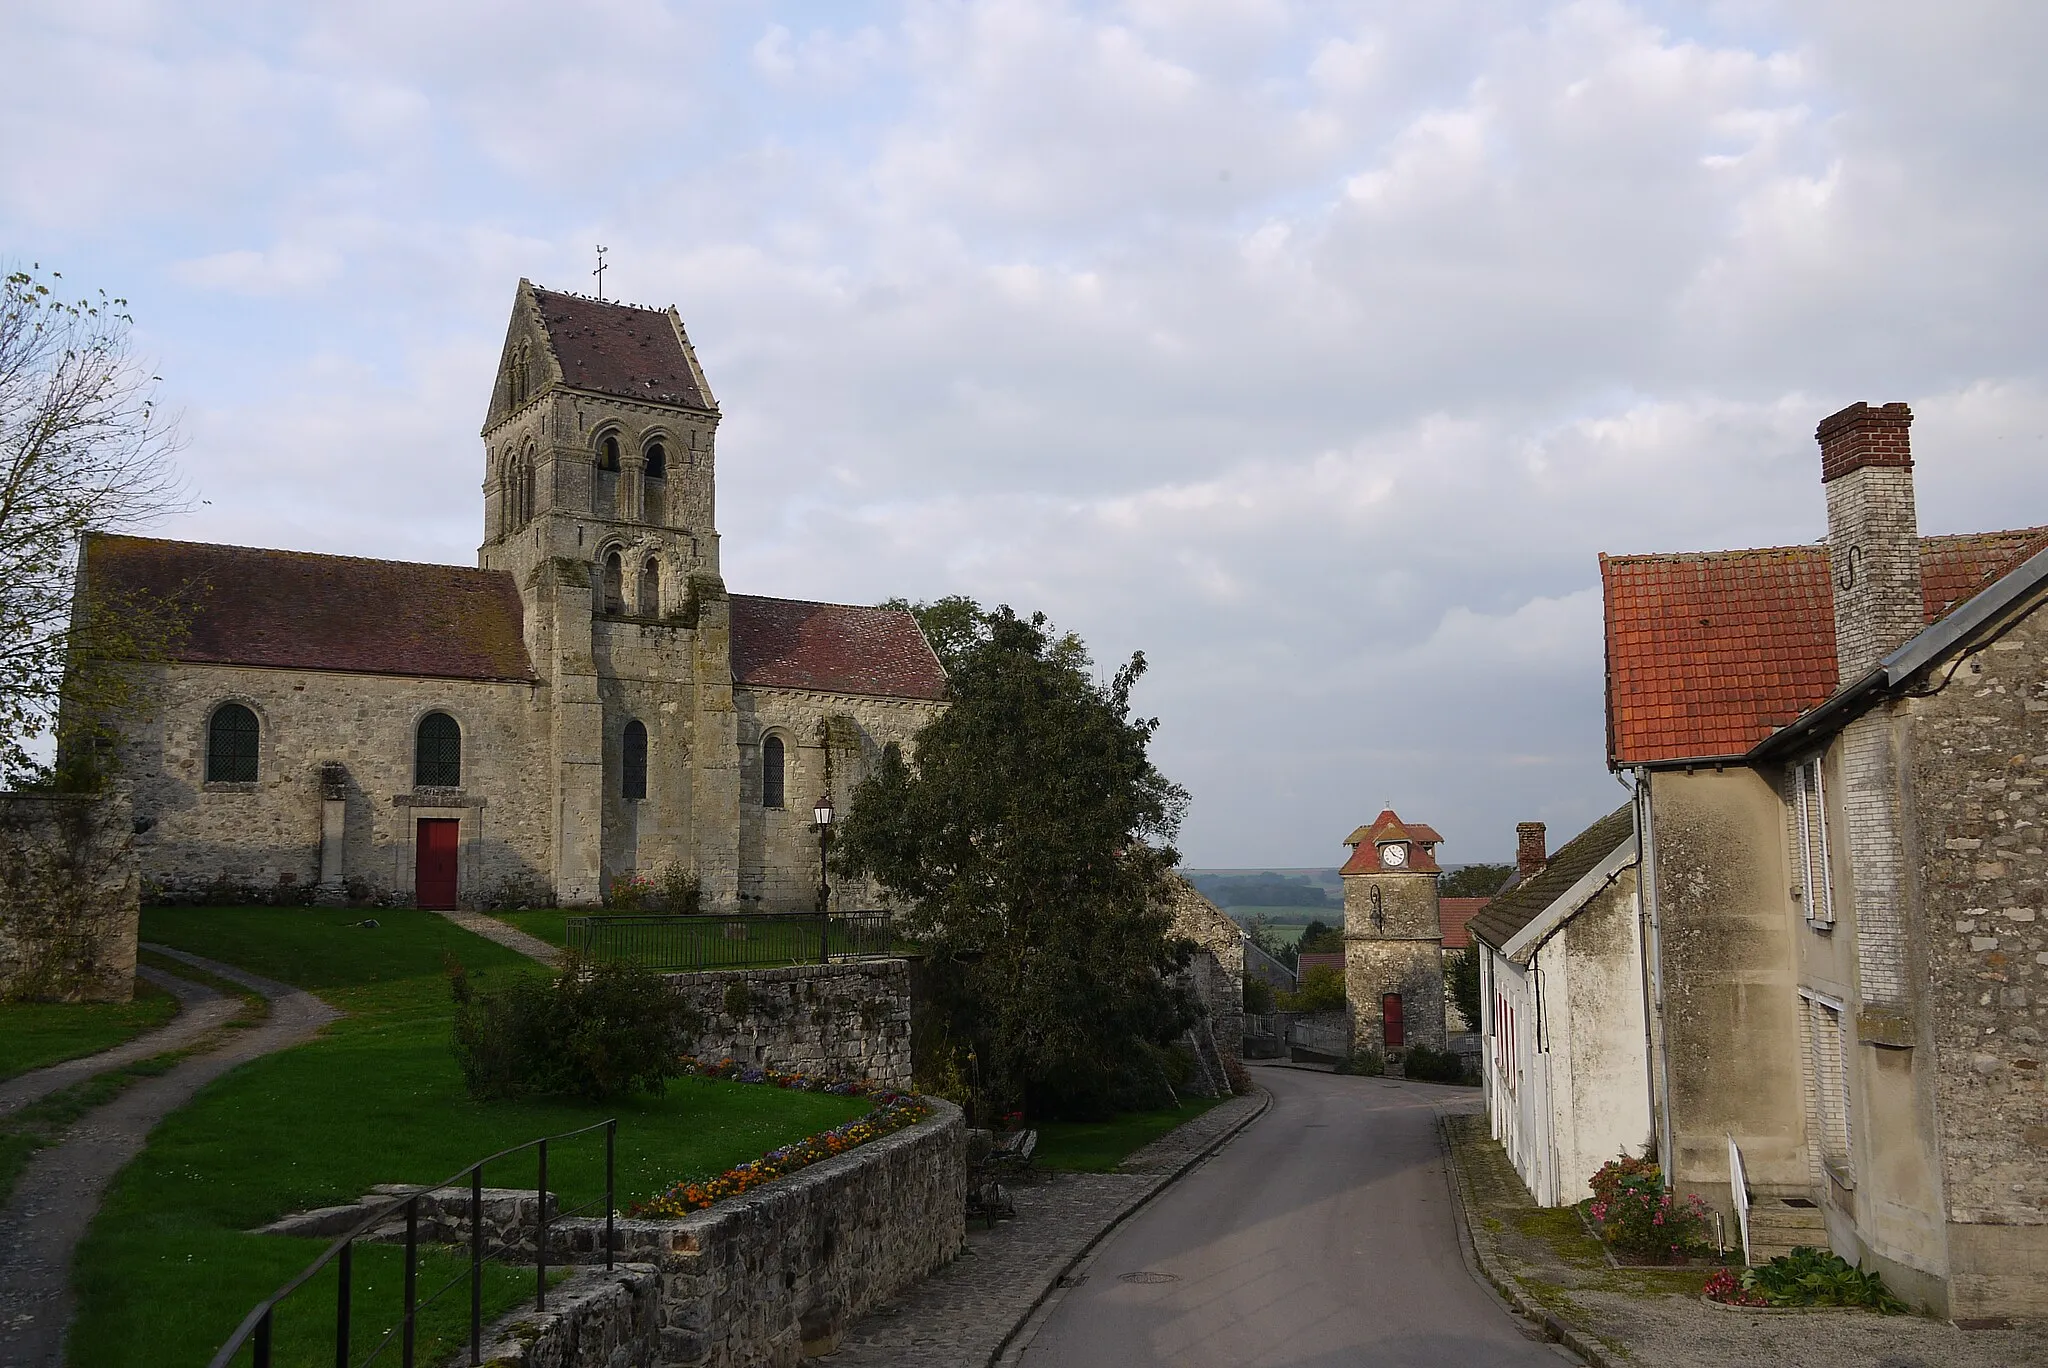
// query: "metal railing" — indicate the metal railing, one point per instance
point(255, 1331)
point(753, 941)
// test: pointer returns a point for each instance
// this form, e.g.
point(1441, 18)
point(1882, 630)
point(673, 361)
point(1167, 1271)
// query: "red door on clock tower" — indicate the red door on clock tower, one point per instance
point(1393, 1026)
point(434, 863)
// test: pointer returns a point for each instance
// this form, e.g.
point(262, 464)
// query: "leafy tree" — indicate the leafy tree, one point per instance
point(1461, 971)
point(1321, 990)
point(83, 449)
point(1320, 938)
point(1029, 841)
point(1268, 938)
point(1474, 881)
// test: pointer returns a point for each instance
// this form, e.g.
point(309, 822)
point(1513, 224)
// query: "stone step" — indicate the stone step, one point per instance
point(1776, 1227)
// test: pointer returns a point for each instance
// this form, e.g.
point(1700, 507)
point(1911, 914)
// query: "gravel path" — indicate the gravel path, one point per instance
point(511, 937)
point(61, 1189)
point(963, 1315)
point(200, 1010)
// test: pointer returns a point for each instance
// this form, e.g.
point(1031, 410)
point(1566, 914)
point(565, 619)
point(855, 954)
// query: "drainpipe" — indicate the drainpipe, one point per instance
point(1657, 1054)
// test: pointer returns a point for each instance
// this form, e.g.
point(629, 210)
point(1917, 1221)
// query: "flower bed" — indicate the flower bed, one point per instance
point(1638, 1216)
point(1806, 1277)
point(893, 1111)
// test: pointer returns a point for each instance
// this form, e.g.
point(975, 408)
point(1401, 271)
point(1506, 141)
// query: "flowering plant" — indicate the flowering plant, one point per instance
point(893, 1111)
point(1724, 1286)
point(1636, 1213)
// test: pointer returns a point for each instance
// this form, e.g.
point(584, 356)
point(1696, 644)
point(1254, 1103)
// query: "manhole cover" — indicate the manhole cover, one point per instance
point(1148, 1277)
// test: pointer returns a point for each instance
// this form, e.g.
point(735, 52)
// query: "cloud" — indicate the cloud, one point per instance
point(1317, 352)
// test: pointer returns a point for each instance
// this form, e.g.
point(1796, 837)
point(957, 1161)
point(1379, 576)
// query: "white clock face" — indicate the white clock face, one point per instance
point(1394, 856)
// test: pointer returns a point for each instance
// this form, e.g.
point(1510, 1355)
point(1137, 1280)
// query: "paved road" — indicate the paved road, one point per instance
point(1323, 1236)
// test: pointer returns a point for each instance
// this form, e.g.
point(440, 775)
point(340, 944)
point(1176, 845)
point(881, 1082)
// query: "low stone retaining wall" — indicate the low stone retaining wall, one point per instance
point(849, 1019)
point(70, 897)
point(764, 1280)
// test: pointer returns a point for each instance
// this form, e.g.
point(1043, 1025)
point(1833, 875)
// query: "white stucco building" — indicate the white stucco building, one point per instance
point(1561, 997)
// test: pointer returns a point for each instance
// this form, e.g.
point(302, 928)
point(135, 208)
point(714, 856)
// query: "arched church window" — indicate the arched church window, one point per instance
point(519, 368)
point(657, 461)
point(526, 490)
point(231, 745)
point(608, 452)
point(772, 763)
point(650, 588)
point(437, 752)
point(614, 587)
point(633, 774)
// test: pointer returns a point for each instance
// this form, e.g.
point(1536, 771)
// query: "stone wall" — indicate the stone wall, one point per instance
point(69, 897)
point(765, 1280)
point(262, 839)
point(848, 1019)
point(779, 846)
point(1979, 804)
point(1217, 973)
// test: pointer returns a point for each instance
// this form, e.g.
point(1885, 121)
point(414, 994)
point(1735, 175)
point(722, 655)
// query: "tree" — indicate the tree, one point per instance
point(1321, 990)
point(1474, 881)
point(83, 448)
point(1320, 938)
point(1029, 841)
point(1462, 973)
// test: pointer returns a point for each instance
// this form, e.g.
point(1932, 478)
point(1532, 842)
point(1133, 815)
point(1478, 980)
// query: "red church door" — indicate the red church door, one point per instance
point(434, 868)
point(1393, 1026)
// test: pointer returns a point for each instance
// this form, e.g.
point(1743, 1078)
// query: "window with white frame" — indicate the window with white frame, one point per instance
point(1816, 874)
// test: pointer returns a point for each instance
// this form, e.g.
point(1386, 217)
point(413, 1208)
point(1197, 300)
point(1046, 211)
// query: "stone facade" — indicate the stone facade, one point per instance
point(1400, 951)
point(68, 897)
point(832, 1020)
point(265, 839)
point(612, 697)
point(1216, 974)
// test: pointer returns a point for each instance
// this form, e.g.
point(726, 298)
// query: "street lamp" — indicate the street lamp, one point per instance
point(822, 814)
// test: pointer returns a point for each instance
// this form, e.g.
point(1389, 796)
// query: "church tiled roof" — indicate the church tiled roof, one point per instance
point(1709, 653)
point(837, 647)
point(1497, 923)
point(300, 611)
point(619, 349)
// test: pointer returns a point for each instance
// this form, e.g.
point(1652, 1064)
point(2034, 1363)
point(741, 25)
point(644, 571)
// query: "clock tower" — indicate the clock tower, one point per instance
point(1393, 938)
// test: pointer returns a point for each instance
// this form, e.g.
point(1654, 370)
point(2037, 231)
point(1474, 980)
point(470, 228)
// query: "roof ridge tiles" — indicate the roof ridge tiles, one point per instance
point(292, 551)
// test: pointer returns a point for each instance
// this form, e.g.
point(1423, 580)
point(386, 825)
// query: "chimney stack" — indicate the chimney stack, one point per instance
point(1530, 854)
point(1866, 466)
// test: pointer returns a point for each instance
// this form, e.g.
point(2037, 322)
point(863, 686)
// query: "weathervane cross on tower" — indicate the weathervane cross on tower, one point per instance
point(599, 273)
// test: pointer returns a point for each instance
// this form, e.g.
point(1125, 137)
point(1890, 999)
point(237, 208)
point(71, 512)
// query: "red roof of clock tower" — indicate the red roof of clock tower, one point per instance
point(1365, 845)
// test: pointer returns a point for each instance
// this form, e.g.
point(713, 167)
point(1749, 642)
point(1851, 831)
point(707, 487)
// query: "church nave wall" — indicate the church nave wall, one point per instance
point(243, 839)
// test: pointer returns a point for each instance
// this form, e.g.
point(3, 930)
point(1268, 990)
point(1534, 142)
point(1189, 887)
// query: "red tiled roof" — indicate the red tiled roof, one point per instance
point(832, 646)
point(1456, 915)
point(1333, 959)
point(1365, 852)
point(297, 610)
point(619, 349)
point(1709, 653)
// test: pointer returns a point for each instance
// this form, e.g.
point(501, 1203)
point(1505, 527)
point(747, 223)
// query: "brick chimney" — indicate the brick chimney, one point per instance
point(1530, 854)
point(1866, 466)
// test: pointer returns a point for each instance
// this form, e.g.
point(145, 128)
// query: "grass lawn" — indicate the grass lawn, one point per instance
point(167, 1272)
point(1099, 1146)
point(708, 942)
point(33, 1034)
point(550, 924)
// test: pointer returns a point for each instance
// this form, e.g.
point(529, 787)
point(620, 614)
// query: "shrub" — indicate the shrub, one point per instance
point(681, 891)
point(1433, 1066)
point(1637, 1214)
point(594, 1031)
point(1811, 1277)
point(1366, 1062)
point(1321, 990)
point(629, 893)
point(1258, 996)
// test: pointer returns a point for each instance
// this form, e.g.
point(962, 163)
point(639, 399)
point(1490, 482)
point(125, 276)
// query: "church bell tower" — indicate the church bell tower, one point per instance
point(1393, 938)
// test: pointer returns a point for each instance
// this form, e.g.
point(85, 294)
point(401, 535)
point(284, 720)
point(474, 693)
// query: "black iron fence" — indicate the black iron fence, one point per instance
point(758, 940)
point(258, 1327)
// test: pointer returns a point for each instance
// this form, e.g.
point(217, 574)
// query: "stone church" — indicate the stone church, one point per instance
point(588, 705)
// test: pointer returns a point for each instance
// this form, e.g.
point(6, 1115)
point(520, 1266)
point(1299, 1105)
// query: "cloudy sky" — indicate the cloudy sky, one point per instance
point(1315, 350)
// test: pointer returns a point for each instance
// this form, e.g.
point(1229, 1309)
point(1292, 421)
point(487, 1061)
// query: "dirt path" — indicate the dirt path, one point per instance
point(200, 1010)
point(511, 937)
point(61, 1189)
